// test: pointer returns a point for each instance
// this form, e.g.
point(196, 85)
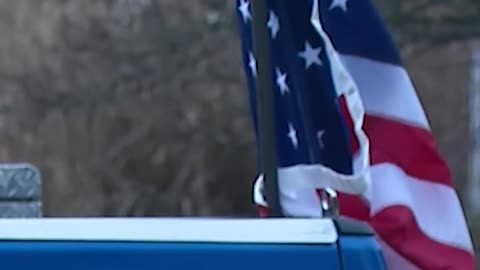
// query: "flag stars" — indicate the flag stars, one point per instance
point(273, 24)
point(244, 9)
point(281, 81)
point(311, 55)
point(340, 4)
point(292, 134)
point(252, 63)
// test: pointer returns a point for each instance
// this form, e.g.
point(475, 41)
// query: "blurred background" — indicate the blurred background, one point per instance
point(139, 107)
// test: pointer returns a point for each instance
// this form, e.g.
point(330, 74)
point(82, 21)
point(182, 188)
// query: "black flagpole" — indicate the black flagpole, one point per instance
point(265, 107)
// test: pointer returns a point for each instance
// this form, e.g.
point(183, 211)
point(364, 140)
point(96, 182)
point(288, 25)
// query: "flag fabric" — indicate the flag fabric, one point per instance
point(337, 77)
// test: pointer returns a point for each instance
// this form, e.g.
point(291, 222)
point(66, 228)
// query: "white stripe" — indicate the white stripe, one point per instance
point(386, 90)
point(295, 231)
point(298, 185)
point(296, 202)
point(436, 207)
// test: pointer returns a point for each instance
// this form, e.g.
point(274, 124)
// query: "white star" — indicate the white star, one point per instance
point(292, 134)
point(339, 3)
point(252, 63)
point(282, 81)
point(320, 138)
point(273, 24)
point(311, 55)
point(244, 9)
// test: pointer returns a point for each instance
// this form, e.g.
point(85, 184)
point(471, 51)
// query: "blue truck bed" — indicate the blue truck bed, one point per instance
point(181, 243)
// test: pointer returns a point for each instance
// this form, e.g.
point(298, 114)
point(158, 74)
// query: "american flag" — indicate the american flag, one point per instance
point(337, 76)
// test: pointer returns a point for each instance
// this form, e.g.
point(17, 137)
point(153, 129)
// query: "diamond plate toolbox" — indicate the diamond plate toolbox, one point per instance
point(19, 182)
point(20, 191)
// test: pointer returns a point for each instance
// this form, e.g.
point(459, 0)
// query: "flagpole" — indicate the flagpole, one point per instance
point(265, 107)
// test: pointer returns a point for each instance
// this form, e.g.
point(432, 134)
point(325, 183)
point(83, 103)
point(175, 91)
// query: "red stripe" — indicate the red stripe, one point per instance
point(262, 211)
point(352, 206)
point(412, 149)
point(396, 225)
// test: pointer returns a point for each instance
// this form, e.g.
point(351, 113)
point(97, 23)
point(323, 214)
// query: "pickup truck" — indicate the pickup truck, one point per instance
point(30, 241)
point(187, 243)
